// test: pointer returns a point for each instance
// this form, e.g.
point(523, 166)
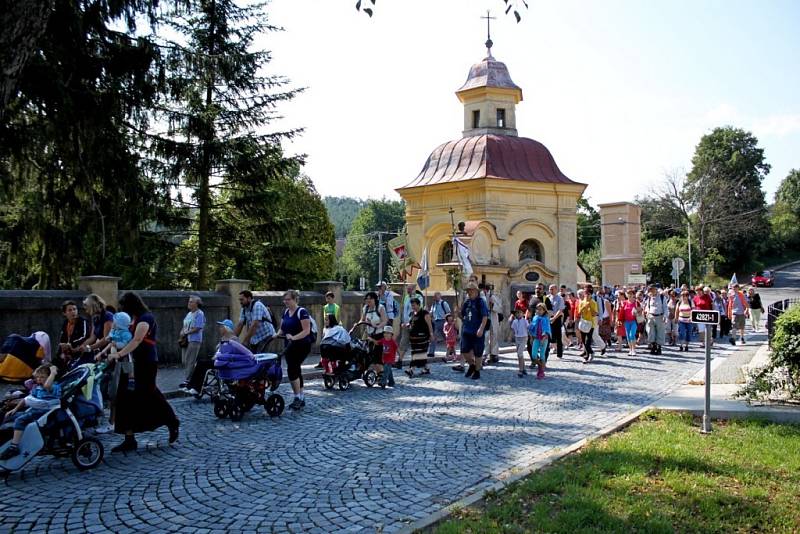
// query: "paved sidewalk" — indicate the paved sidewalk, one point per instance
point(356, 460)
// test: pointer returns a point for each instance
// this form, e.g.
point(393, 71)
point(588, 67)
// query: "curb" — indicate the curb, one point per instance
point(514, 474)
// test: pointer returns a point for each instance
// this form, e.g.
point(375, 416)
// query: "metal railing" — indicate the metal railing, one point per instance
point(774, 311)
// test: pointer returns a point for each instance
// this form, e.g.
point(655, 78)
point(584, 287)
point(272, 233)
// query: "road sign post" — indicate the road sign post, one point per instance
point(707, 318)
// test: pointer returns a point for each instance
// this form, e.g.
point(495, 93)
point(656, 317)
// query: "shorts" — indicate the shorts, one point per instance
point(738, 322)
point(472, 343)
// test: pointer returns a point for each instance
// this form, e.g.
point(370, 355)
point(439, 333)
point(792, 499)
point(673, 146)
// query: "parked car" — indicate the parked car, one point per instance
point(763, 279)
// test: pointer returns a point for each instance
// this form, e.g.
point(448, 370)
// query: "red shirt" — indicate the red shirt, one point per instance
point(521, 305)
point(703, 302)
point(389, 349)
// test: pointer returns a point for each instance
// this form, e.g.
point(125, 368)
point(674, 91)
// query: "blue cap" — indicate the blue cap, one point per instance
point(227, 323)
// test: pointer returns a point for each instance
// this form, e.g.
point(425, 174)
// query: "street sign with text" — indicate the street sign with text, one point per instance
point(705, 316)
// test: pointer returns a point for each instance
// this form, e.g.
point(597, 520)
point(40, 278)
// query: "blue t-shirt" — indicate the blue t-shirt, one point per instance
point(291, 324)
point(472, 313)
point(40, 393)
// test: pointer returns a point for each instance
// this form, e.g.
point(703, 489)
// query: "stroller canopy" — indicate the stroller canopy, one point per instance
point(23, 355)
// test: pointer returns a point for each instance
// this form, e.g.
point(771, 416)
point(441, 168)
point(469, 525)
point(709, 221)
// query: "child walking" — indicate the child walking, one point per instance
point(519, 325)
point(389, 355)
point(539, 330)
point(450, 336)
point(45, 396)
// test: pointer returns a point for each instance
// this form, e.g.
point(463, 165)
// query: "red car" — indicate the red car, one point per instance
point(763, 279)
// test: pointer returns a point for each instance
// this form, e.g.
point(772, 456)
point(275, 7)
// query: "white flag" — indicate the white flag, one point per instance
point(424, 277)
point(462, 253)
point(733, 281)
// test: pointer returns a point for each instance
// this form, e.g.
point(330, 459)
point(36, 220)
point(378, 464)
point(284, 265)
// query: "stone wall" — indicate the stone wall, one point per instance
point(23, 312)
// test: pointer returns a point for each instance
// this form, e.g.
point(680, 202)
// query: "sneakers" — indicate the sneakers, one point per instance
point(409, 373)
point(193, 392)
point(476, 375)
point(10, 452)
point(126, 446)
point(104, 429)
point(459, 368)
point(297, 404)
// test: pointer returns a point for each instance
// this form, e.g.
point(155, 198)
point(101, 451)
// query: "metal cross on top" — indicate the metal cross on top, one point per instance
point(489, 43)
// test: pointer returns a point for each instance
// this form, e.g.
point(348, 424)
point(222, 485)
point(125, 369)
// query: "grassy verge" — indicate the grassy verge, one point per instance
point(659, 475)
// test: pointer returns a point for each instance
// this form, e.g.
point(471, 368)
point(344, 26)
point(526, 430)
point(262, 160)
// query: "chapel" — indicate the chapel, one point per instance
point(517, 210)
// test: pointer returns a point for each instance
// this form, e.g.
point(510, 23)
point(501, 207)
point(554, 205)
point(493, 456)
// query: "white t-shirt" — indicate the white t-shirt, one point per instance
point(519, 327)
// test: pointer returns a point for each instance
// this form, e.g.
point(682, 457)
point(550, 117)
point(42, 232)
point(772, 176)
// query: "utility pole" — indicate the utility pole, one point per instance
point(380, 257)
point(689, 241)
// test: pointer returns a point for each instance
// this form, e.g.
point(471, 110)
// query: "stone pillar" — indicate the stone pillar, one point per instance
point(332, 286)
point(232, 287)
point(621, 243)
point(106, 287)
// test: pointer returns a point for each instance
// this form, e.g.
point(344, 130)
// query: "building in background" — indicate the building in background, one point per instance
point(621, 244)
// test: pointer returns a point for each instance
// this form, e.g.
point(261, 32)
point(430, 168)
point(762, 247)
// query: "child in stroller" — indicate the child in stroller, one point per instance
point(242, 381)
point(346, 358)
point(53, 423)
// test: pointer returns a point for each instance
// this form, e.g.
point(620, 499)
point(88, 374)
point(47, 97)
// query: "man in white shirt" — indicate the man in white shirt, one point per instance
point(655, 311)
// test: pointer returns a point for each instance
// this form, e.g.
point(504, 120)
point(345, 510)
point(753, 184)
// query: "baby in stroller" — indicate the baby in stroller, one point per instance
point(243, 381)
point(53, 423)
point(346, 358)
point(44, 396)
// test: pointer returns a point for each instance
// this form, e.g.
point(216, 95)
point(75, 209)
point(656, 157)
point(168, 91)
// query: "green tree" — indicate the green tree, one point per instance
point(72, 197)
point(589, 259)
point(724, 189)
point(588, 225)
point(788, 193)
point(360, 256)
point(218, 100)
point(342, 211)
point(658, 254)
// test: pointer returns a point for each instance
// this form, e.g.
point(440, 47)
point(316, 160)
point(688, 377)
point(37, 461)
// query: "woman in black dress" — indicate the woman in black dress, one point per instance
point(142, 408)
point(420, 333)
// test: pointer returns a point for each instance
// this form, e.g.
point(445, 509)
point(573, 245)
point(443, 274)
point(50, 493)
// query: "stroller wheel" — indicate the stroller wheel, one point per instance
point(221, 409)
point(87, 453)
point(370, 377)
point(274, 405)
point(235, 411)
point(328, 381)
point(344, 383)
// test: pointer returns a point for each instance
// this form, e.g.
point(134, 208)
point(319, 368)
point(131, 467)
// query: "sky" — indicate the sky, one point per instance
point(620, 91)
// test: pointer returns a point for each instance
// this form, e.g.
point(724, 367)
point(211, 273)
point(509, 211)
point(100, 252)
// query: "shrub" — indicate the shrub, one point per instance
point(783, 371)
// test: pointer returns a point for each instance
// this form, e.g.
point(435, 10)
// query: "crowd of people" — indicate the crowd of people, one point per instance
point(471, 332)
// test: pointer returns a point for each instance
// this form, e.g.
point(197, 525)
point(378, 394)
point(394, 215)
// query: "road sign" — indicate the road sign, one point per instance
point(636, 279)
point(705, 316)
point(678, 264)
point(362, 283)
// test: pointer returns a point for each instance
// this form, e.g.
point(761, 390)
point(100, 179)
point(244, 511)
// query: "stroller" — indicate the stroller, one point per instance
point(343, 365)
point(60, 432)
point(240, 380)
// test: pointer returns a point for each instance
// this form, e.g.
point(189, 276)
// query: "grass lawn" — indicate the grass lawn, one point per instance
point(659, 475)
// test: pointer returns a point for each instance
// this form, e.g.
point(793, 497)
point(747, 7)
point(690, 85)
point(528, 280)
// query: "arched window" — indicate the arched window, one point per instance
point(530, 249)
point(446, 252)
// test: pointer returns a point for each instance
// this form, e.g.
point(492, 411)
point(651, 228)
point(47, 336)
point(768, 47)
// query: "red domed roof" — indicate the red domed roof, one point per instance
point(502, 157)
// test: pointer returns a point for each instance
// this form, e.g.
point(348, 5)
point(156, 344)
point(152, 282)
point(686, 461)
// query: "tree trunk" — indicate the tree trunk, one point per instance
point(23, 22)
point(204, 192)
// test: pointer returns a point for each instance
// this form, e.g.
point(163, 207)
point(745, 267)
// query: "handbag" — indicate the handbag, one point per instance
point(183, 341)
point(584, 325)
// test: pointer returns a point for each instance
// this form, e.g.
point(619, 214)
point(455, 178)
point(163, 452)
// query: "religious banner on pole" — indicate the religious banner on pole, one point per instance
point(398, 247)
point(462, 253)
point(424, 277)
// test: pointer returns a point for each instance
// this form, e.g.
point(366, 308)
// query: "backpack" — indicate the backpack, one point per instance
point(271, 319)
point(314, 331)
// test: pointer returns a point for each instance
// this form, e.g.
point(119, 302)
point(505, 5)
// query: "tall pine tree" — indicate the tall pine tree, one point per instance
point(219, 100)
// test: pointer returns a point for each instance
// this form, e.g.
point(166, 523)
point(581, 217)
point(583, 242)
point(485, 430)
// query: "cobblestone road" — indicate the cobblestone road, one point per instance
point(352, 461)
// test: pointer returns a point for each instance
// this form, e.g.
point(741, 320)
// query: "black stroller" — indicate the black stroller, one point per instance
point(343, 365)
